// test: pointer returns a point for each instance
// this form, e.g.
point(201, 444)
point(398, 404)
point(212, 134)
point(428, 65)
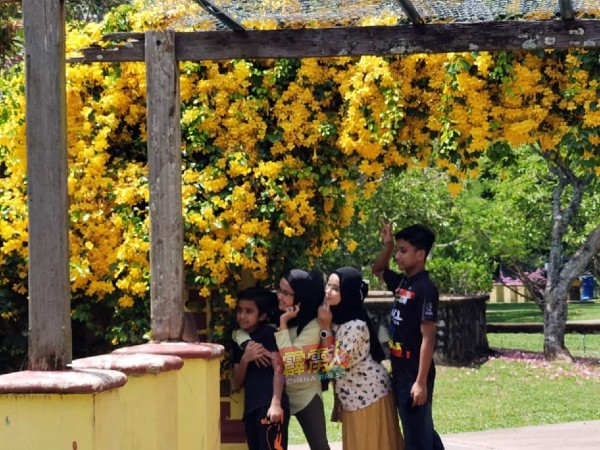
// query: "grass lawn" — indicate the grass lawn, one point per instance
point(506, 392)
point(501, 393)
point(529, 312)
point(511, 390)
point(584, 346)
point(579, 345)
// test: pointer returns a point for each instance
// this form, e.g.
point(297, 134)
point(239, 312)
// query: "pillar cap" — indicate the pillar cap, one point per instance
point(136, 363)
point(69, 381)
point(190, 350)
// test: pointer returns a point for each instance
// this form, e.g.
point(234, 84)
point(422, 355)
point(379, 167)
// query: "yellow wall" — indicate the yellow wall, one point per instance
point(60, 421)
point(199, 406)
point(149, 412)
point(505, 294)
point(237, 404)
point(171, 410)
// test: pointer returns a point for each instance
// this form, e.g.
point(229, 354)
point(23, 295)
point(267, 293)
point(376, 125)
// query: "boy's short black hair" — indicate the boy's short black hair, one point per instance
point(420, 236)
point(265, 300)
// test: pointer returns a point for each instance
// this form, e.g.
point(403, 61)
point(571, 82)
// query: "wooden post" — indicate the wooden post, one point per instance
point(164, 160)
point(50, 346)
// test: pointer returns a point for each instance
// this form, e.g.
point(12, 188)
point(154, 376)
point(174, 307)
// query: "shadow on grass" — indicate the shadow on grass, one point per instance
point(530, 312)
point(477, 359)
point(514, 313)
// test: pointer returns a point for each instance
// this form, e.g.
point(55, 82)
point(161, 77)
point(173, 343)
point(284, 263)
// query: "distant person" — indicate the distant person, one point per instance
point(412, 331)
point(266, 406)
point(369, 417)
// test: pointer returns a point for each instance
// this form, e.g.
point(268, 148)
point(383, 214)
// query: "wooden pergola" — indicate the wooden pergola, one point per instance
point(50, 346)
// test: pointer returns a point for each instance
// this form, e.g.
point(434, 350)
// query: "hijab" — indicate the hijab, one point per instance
point(353, 291)
point(309, 292)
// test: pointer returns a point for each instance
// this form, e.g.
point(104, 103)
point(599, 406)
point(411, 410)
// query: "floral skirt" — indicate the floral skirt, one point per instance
point(377, 426)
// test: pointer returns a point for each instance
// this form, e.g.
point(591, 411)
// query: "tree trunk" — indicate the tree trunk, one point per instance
point(555, 323)
point(561, 272)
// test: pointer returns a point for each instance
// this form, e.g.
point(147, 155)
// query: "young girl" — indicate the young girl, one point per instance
point(369, 418)
point(300, 293)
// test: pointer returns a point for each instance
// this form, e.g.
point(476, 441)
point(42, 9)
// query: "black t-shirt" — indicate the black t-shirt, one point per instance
point(415, 301)
point(258, 386)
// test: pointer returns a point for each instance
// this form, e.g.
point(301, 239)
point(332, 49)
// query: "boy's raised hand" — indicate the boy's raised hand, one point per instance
point(387, 234)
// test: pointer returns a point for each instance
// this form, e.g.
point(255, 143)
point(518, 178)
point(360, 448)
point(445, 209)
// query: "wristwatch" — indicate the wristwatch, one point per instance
point(325, 334)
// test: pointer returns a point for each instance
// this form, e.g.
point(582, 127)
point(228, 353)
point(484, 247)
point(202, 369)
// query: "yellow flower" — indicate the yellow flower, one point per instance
point(230, 301)
point(351, 246)
point(455, 188)
point(125, 301)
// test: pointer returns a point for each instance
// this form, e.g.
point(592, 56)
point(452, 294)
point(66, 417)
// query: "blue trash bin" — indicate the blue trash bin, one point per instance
point(587, 287)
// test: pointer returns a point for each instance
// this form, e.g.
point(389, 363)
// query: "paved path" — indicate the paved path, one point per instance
point(564, 436)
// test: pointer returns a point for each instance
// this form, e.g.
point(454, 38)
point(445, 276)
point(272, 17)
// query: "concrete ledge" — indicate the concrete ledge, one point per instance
point(61, 382)
point(386, 298)
point(137, 363)
point(581, 327)
point(190, 350)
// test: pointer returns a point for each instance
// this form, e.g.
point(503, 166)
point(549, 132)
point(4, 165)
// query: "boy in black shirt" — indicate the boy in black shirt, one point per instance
point(266, 408)
point(412, 331)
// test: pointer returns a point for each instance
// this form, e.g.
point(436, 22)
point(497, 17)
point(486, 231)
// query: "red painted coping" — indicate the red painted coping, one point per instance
point(61, 382)
point(137, 363)
point(191, 350)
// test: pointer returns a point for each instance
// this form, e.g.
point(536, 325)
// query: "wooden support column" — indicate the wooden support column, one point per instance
point(164, 160)
point(50, 346)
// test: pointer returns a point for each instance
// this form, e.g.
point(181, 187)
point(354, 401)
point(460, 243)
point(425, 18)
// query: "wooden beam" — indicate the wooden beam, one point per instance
point(220, 15)
point(356, 41)
point(566, 9)
point(164, 161)
point(50, 346)
point(411, 12)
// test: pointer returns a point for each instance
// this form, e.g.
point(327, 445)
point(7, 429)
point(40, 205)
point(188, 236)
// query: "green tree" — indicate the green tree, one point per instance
point(544, 103)
point(541, 213)
point(514, 218)
point(460, 262)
